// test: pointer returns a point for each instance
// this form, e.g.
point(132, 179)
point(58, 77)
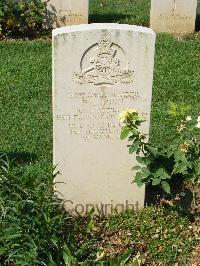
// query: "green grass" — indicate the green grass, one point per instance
point(120, 11)
point(176, 78)
point(25, 99)
point(26, 124)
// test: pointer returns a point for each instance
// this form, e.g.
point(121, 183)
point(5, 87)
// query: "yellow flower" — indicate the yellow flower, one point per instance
point(184, 147)
point(122, 116)
point(131, 111)
point(125, 115)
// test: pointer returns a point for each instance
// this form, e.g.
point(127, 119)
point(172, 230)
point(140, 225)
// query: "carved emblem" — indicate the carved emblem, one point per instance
point(107, 66)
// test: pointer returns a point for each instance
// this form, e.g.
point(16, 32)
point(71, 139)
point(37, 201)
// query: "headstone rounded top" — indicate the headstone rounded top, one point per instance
point(101, 26)
point(99, 70)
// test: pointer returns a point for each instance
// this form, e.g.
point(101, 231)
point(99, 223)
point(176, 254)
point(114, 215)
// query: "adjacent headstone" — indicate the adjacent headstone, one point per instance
point(175, 16)
point(66, 12)
point(98, 71)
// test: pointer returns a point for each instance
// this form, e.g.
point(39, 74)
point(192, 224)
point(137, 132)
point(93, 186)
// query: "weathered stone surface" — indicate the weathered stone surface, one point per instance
point(176, 16)
point(98, 71)
point(66, 12)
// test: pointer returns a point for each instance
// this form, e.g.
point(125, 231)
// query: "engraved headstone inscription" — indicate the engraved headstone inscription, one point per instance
point(66, 12)
point(98, 71)
point(175, 16)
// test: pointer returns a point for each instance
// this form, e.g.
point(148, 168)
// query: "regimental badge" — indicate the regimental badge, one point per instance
point(107, 66)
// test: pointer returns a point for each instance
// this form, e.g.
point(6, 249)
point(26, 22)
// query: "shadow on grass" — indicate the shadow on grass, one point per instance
point(22, 158)
point(107, 18)
point(155, 195)
point(197, 23)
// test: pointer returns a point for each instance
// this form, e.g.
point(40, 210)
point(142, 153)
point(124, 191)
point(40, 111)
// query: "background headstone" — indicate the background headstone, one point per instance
point(66, 12)
point(176, 16)
point(98, 71)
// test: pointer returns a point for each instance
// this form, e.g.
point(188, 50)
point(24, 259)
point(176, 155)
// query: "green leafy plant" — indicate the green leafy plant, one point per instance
point(179, 159)
point(31, 218)
point(21, 17)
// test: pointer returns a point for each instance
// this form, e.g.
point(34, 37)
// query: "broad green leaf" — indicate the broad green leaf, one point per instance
point(143, 160)
point(134, 147)
point(162, 174)
point(180, 168)
point(136, 167)
point(125, 132)
point(134, 131)
point(138, 179)
point(152, 150)
point(165, 186)
point(156, 181)
point(140, 159)
point(179, 156)
point(145, 172)
point(169, 150)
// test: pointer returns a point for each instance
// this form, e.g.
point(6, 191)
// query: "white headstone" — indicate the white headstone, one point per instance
point(98, 71)
point(176, 16)
point(66, 12)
